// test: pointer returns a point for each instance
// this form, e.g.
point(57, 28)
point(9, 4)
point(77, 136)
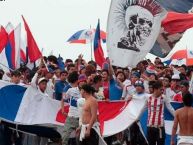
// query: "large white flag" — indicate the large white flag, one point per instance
point(133, 27)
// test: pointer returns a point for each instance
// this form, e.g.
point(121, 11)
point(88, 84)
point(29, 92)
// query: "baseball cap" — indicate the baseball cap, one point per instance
point(139, 83)
point(42, 79)
point(136, 74)
point(81, 78)
point(176, 77)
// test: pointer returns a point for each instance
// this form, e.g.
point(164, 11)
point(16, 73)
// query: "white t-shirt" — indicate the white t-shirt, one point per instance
point(50, 88)
point(73, 94)
point(128, 91)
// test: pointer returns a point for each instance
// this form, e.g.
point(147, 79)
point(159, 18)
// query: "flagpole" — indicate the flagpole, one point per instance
point(6, 67)
point(91, 45)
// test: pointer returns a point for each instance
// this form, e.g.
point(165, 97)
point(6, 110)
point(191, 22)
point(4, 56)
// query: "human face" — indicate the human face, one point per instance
point(150, 90)
point(57, 73)
point(139, 89)
point(182, 70)
point(134, 79)
point(166, 82)
point(80, 84)
point(63, 76)
point(184, 89)
point(42, 86)
point(121, 77)
point(158, 92)
point(105, 76)
point(72, 69)
point(16, 79)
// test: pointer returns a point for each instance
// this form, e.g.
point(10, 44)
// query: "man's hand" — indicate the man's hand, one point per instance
point(87, 133)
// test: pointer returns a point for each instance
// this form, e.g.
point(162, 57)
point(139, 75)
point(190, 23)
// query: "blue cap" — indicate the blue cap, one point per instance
point(136, 74)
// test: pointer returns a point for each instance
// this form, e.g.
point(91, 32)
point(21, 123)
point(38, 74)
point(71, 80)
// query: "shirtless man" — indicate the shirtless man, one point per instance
point(89, 128)
point(184, 117)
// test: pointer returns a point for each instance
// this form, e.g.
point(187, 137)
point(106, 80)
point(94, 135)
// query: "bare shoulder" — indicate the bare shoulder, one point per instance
point(93, 101)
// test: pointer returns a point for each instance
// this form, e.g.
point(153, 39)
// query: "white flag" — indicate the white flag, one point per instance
point(133, 27)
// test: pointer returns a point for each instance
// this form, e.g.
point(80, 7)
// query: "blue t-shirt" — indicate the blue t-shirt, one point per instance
point(115, 90)
point(59, 87)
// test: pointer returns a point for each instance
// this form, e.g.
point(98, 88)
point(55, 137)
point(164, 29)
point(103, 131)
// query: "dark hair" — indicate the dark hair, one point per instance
point(69, 66)
point(120, 72)
point(104, 70)
point(63, 72)
point(73, 77)
point(53, 59)
point(68, 60)
point(88, 88)
point(187, 99)
point(16, 73)
point(157, 85)
point(93, 63)
point(151, 83)
point(97, 79)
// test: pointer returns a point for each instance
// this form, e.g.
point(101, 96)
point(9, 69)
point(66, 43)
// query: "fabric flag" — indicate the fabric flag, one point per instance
point(98, 51)
point(121, 116)
point(179, 57)
point(173, 27)
point(133, 27)
point(3, 38)
point(168, 118)
point(181, 6)
point(10, 54)
point(33, 50)
point(27, 108)
point(23, 51)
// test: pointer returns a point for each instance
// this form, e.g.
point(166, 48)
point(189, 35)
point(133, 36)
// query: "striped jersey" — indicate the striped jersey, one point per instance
point(156, 110)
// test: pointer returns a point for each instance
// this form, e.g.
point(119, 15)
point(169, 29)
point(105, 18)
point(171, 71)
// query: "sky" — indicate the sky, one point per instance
point(52, 22)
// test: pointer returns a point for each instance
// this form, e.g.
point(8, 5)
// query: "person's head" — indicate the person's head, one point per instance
point(52, 59)
point(175, 80)
point(16, 76)
point(157, 88)
point(157, 60)
point(42, 83)
point(63, 75)
point(150, 86)
point(182, 69)
point(97, 80)
point(160, 65)
point(87, 90)
point(153, 77)
point(187, 100)
point(90, 69)
point(166, 82)
point(82, 80)
point(126, 72)
point(93, 63)
point(139, 86)
point(50, 73)
point(57, 72)
point(134, 77)
point(1, 74)
point(82, 69)
point(71, 68)
point(184, 87)
point(105, 75)
point(73, 77)
point(121, 76)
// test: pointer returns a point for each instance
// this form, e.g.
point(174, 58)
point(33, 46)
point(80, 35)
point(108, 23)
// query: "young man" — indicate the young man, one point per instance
point(72, 120)
point(60, 84)
point(90, 131)
point(155, 124)
point(184, 118)
point(136, 137)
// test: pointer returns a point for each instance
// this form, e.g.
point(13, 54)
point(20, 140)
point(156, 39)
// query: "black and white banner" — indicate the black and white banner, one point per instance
point(133, 27)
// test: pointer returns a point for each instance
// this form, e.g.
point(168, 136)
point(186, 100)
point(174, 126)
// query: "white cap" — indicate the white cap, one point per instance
point(176, 77)
point(42, 79)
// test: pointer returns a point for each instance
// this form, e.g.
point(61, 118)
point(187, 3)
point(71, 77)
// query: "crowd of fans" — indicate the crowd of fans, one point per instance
point(64, 81)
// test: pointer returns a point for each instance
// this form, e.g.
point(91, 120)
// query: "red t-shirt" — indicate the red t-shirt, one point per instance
point(106, 89)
